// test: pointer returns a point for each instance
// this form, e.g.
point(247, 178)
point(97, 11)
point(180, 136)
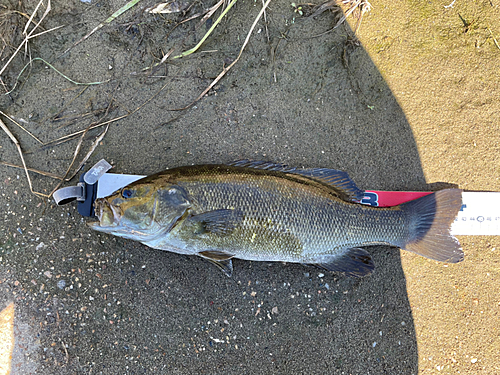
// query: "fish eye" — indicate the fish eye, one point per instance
point(127, 193)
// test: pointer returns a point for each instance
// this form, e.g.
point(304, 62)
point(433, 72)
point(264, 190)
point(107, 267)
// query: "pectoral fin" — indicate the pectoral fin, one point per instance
point(225, 266)
point(221, 259)
point(354, 262)
point(217, 222)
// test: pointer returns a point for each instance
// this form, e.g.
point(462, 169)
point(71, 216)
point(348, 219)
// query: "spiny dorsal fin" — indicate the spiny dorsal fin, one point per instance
point(338, 180)
point(266, 165)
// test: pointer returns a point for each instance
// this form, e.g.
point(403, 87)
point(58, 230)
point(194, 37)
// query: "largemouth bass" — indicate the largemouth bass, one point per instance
point(270, 212)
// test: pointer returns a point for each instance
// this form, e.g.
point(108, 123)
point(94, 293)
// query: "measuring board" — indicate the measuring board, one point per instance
point(479, 215)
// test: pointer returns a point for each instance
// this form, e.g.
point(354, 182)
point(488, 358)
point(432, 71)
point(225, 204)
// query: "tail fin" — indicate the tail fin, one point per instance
point(432, 216)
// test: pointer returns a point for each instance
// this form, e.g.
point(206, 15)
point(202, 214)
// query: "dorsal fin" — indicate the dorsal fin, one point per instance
point(339, 180)
point(267, 165)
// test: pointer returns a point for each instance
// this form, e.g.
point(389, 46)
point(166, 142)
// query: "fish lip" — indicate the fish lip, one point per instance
point(98, 209)
point(124, 231)
point(101, 208)
point(101, 205)
point(96, 225)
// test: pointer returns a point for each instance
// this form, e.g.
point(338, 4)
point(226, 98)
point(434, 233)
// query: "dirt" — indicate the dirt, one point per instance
point(412, 106)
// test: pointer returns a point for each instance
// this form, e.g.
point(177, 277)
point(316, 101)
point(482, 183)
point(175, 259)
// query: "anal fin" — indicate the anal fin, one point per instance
point(354, 262)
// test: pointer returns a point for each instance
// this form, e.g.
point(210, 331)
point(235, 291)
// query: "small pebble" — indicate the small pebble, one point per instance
point(61, 284)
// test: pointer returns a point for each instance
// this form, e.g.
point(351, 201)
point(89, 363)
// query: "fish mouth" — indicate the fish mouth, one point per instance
point(109, 216)
point(110, 221)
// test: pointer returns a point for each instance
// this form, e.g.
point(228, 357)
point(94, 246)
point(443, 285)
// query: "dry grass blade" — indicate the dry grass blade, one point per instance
point(75, 134)
point(43, 173)
point(25, 31)
point(225, 70)
point(494, 40)
point(217, 21)
point(75, 155)
point(20, 126)
point(363, 5)
point(58, 114)
point(16, 142)
point(265, 23)
point(30, 34)
point(329, 5)
point(77, 150)
point(207, 15)
point(69, 137)
point(91, 151)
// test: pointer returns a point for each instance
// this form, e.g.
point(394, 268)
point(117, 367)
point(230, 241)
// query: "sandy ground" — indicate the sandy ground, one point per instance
point(413, 107)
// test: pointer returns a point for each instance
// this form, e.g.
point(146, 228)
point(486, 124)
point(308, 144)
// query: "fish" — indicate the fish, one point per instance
point(263, 211)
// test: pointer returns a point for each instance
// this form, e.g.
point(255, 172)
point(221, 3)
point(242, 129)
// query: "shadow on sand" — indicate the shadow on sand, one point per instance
point(314, 102)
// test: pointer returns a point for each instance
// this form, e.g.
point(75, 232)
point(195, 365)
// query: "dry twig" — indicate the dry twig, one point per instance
point(16, 142)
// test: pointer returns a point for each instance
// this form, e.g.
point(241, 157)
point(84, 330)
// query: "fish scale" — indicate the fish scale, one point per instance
point(271, 212)
point(321, 224)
